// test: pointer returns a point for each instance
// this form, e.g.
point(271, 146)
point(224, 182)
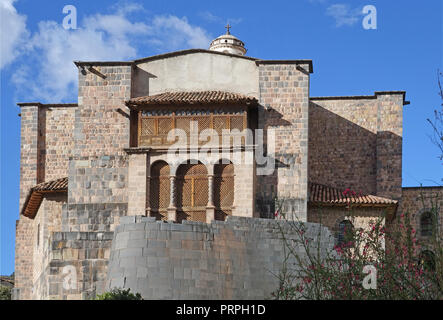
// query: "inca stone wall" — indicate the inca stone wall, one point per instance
point(356, 143)
point(45, 223)
point(75, 266)
point(284, 97)
point(234, 259)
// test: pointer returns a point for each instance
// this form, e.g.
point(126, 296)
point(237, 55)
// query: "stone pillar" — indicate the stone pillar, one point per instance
point(137, 184)
point(172, 209)
point(148, 195)
point(210, 208)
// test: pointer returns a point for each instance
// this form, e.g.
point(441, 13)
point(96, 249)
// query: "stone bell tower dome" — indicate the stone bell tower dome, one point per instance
point(228, 43)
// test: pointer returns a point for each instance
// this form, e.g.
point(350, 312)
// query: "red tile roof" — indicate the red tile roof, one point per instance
point(36, 194)
point(197, 97)
point(322, 194)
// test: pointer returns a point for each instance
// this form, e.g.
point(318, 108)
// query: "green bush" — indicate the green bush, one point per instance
point(119, 294)
point(5, 293)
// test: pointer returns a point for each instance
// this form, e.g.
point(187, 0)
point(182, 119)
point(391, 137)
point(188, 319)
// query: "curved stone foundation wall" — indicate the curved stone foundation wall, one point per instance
point(236, 259)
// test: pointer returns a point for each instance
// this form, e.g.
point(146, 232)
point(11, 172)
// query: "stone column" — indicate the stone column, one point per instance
point(172, 209)
point(137, 183)
point(148, 195)
point(210, 208)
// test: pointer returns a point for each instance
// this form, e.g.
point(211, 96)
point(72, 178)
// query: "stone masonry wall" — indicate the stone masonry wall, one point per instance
point(416, 201)
point(97, 193)
point(284, 100)
point(75, 266)
point(360, 217)
point(47, 221)
point(102, 119)
point(46, 140)
point(28, 178)
point(357, 143)
point(342, 144)
point(56, 132)
point(232, 259)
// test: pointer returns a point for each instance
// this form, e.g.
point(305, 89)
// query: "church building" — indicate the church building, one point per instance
point(200, 136)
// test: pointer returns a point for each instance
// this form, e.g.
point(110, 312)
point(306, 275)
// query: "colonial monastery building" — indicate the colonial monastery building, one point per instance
point(98, 179)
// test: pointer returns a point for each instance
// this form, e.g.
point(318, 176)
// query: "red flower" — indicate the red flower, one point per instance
point(307, 280)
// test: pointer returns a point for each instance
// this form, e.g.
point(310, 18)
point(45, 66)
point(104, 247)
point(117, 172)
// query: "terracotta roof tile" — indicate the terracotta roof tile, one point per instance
point(36, 193)
point(195, 97)
point(319, 193)
point(54, 185)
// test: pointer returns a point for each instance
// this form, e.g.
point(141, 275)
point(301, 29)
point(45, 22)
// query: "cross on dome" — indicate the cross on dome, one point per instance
point(228, 26)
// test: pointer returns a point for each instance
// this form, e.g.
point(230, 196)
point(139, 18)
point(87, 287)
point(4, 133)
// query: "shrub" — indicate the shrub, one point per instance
point(338, 274)
point(5, 293)
point(119, 294)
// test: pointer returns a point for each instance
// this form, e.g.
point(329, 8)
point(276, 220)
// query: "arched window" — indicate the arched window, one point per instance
point(426, 224)
point(345, 232)
point(427, 260)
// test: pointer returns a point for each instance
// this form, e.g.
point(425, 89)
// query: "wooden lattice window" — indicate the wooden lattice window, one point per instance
point(159, 190)
point(154, 126)
point(223, 189)
point(192, 192)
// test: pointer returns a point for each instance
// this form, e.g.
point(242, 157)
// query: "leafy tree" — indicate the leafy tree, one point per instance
point(437, 122)
point(119, 294)
point(5, 293)
point(313, 272)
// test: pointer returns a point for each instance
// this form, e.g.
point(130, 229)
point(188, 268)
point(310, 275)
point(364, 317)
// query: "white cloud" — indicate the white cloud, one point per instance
point(171, 33)
point(317, 1)
point(13, 33)
point(49, 74)
point(208, 16)
point(343, 14)
point(53, 50)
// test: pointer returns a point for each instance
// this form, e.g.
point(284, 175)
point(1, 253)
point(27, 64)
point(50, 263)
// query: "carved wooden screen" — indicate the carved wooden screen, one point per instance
point(223, 190)
point(159, 190)
point(154, 126)
point(192, 192)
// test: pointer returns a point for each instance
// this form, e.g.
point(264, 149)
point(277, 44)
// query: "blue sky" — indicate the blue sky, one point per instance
point(403, 53)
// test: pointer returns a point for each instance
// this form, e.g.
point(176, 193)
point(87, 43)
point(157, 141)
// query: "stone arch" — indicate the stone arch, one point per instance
point(159, 189)
point(191, 191)
point(223, 188)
